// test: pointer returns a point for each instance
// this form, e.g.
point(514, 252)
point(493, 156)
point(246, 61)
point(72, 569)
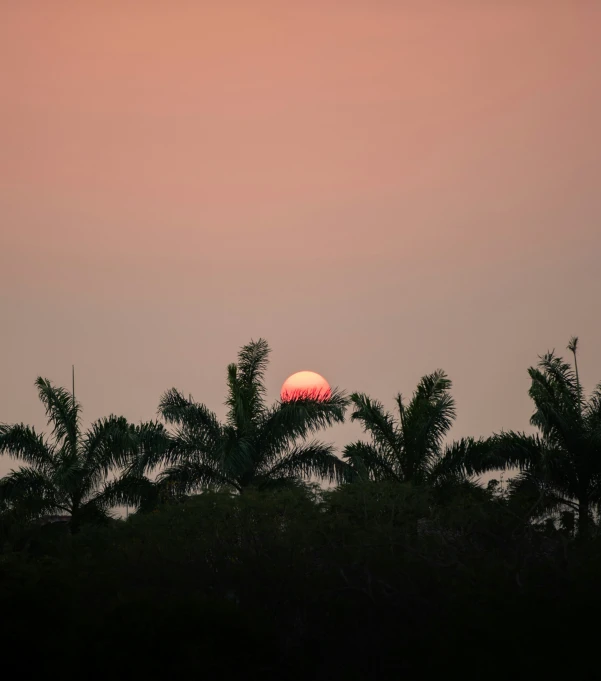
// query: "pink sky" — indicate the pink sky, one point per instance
point(379, 188)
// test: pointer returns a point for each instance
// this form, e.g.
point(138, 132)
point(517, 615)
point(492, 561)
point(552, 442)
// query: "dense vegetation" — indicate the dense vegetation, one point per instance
point(236, 564)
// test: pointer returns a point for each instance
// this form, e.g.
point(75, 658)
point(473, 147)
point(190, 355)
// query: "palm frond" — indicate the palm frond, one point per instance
point(154, 445)
point(116, 444)
point(110, 443)
point(430, 414)
point(465, 457)
point(401, 407)
point(432, 387)
point(190, 476)
point(298, 418)
point(376, 421)
point(557, 398)
point(312, 459)
point(128, 490)
point(185, 445)
point(239, 415)
point(31, 491)
point(22, 442)
point(372, 463)
point(510, 449)
point(253, 360)
point(63, 413)
point(592, 415)
point(177, 409)
point(537, 458)
point(562, 375)
point(246, 388)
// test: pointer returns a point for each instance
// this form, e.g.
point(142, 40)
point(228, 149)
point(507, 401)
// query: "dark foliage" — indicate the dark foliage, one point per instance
point(413, 571)
point(561, 466)
point(76, 474)
point(410, 447)
point(378, 580)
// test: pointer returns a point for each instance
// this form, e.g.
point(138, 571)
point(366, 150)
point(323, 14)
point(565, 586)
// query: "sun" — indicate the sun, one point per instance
point(305, 385)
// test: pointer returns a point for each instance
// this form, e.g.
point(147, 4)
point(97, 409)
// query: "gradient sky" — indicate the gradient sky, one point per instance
point(379, 188)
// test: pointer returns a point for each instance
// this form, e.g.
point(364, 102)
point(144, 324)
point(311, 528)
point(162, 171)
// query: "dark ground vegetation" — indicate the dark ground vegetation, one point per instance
point(377, 580)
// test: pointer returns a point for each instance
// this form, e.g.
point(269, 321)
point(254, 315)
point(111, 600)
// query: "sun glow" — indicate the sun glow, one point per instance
point(305, 385)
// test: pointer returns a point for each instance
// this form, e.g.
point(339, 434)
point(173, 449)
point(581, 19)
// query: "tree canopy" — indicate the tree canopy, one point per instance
point(258, 445)
point(562, 463)
point(75, 472)
point(410, 447)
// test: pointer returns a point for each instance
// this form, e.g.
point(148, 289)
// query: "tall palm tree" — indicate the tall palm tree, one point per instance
point(411, 448)
point(75, 473)
point(563, 461)
point(258, 445)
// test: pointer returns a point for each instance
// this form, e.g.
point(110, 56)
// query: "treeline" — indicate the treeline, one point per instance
point(371, 580)
point(82, 475)
point(235, 562)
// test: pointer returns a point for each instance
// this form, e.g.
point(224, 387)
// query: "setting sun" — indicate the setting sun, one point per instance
point(307, 384)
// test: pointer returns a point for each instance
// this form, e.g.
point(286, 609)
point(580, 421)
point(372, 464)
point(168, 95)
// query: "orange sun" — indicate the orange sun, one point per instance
point(305, 385)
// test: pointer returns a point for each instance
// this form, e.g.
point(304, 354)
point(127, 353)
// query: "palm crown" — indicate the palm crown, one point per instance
point(410, 448)
point(74, 473)
point(563, 462)
point(258, 445)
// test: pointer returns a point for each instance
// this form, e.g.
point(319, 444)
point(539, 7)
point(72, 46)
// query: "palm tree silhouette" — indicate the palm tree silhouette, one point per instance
point(563, 461)
point(258, 445)
point(410, 448)
point(75, 473)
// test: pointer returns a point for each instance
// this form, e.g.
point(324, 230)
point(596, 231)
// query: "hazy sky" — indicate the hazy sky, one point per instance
point(378, 187)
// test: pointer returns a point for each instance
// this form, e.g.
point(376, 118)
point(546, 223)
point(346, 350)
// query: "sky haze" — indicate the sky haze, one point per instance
point(378, 188)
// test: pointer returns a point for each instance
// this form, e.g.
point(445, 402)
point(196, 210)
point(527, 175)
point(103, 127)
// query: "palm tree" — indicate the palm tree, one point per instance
point(75, 473)
point(562, 461)
point(258, 445)
point(410, 448)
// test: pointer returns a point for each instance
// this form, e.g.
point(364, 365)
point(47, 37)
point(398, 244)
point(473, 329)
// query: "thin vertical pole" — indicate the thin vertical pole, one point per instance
point(73, 376)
